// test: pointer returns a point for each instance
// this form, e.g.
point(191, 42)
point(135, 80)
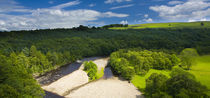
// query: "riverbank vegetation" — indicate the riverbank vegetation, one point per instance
point(153, 70)
point(38, 51)
point(92, 70)
point(181, 84)
point(127, 63)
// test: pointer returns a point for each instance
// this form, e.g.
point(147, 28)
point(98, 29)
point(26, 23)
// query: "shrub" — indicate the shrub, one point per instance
point(91, 69)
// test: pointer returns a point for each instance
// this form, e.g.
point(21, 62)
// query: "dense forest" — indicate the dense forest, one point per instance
point(27, 53)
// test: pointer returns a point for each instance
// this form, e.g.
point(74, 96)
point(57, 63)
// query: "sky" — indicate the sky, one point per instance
point(49, 14)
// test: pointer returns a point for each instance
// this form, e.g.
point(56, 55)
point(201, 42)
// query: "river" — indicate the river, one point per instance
point(71, 81)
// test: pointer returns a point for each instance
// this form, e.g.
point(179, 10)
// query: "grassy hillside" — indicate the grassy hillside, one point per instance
point(167, 25)
point(202, 70)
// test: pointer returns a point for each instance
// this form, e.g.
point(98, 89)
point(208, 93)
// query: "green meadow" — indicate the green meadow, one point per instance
point(167, 25)
point(140, 81)
point(201, 71)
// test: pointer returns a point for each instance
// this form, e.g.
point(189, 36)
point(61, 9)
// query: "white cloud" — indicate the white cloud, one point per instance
point(51, 2)
point(68, 4)
point(146, 15)
point(53, 17)
point(111, 14)
point(175, 2)
point(123, 6)
point(11, 6)
point(2, 22)
point(148, 20)
point(92, 5)
point(191, 9)
point(191, 20)
point(118, 1)
point(124, 22)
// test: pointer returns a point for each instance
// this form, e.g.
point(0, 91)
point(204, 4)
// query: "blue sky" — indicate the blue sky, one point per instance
point(42, 14)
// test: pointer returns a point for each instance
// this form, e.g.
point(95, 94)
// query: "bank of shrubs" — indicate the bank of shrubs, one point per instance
point(15, 79)
point(181, 84)
point(91, 69)
point(127, 63)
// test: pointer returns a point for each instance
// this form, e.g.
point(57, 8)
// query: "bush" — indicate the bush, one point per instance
point(188, 56)
point(155, 85)
point(128, 72)
point(182, 84)
point(91, 69)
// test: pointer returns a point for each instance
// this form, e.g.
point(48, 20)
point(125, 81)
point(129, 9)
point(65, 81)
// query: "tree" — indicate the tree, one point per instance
point(184, 84)
point(202, 24)
point(128, 72)
point(33, 51)
point(188, 57)
point(15, 81)
point(155, 85)
point(91, 69)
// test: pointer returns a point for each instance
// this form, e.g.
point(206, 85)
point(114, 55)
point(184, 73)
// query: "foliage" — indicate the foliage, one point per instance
point(181, 84)
point(100, 73)
point(39, 51)
point(155, 85)
point(15, 81)
point(128, 63)
point(188, 57)
point(91, 69)
point(140, 81)
point(115, 25)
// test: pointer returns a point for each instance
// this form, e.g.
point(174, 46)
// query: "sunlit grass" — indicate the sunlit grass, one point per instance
point(100, 73)
point(166, 25)
point(202, 70)
point(140, 81)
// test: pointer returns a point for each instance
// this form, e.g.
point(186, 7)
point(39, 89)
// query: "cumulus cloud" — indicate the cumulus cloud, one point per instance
point(117, 1)
point(191, 9)
point(123, 6)
point(53, 18)
point(148, 20)
point(124, 22)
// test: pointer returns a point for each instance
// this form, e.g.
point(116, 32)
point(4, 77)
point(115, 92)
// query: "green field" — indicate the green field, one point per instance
point(167, 25)
point(140, 81)
point(201, 72)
